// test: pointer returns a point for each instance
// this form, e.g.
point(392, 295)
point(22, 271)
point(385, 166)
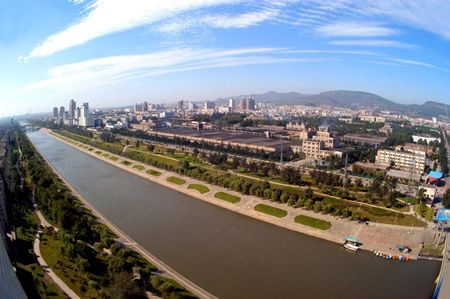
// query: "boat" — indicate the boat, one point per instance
point(351, 247)
point(352, 244)
point(402, 258)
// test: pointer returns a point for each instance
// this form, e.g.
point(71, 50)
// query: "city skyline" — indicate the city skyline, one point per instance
point(163, 52)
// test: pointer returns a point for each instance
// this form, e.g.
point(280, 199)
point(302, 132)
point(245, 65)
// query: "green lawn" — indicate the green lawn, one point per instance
point(227, 197)
point(313, 222)
point(176, 180)
point(114, 158)
point(199, 187)
point(378, 215)
point(127, 163)
point(271, 210)
point(64, 268)
point(138, 167)
point(153, 172)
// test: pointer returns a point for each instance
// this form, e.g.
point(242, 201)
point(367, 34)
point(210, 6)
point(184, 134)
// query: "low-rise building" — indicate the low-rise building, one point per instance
point(364, 139)
point(413, 161)
point(425, 138)
point(372, 118)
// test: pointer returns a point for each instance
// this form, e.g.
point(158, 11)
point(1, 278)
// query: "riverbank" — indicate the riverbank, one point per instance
point(126, 240)
point(381, 237)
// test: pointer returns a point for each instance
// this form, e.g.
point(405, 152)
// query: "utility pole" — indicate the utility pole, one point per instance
point(345, 170)
point(281, 154)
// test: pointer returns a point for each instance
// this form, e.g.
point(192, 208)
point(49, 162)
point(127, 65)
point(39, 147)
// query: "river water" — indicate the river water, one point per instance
point(228, 254)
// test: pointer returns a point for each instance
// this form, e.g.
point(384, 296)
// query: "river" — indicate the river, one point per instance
point(228, 254)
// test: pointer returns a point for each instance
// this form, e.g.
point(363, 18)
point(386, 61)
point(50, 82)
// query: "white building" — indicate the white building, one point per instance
point(85, 118)
point(428, 139)
point(404, 160)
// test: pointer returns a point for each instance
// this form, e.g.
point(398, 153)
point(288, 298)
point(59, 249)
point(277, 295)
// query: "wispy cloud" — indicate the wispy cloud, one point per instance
point(108, 70)
point(355, 29)
point(379, 43)
point(104, 17)
point(218, 21)
point(327, 18)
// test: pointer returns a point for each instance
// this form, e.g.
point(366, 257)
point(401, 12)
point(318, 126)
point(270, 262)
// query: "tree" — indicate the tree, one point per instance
point(123, 287)
point(446, 199)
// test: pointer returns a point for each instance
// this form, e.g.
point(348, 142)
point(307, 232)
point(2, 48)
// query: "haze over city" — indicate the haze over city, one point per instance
point(118, 52)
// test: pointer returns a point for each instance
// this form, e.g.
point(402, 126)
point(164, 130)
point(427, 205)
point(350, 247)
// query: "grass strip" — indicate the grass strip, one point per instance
point(127, 163)
point(138, 167)
point(227, 197)
point(199, 187)
point(276, 212)
point(153, 172)
point(313, 222)
point(176, 180)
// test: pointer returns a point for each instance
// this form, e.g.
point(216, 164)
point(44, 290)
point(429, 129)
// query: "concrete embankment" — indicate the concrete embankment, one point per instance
point(382, 237)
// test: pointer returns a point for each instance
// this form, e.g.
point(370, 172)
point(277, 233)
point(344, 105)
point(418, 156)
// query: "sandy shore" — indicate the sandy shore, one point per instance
point(383, 237)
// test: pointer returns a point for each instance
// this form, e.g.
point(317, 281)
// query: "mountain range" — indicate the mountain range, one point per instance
point(349, 99)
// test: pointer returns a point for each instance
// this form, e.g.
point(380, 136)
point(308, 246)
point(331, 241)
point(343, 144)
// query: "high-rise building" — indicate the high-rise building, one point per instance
point(243, 104)
point(145, 106)
point(210, 105)
point(138, 107)
point(77, 113)
point(72, 108)
point(85, 119)
point(55, 112)
point(181, 105)
point(250, 103)
point(61, 111)
point(191, 106)
point(232, 103)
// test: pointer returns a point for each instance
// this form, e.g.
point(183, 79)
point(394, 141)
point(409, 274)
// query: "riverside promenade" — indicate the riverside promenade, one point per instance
point(375, 236)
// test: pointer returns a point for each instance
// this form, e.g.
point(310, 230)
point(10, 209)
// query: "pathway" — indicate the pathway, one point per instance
point(45, 266)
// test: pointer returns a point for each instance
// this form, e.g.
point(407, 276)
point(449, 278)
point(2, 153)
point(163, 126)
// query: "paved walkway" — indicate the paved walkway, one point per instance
point(374, 236)
point(45, 266)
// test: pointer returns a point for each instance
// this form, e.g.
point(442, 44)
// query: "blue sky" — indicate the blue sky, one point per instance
point(112, 52)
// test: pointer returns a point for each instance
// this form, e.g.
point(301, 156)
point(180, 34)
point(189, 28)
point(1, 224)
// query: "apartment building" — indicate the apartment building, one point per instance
point(404, 160)
point(324, 135)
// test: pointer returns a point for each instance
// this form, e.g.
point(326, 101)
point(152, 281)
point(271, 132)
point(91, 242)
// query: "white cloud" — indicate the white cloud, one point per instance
point(104, 17)
point(326, 18)
point(102, 72)
point(219, 21)
point(380, 43)
point(76, 2)
point(355, 29)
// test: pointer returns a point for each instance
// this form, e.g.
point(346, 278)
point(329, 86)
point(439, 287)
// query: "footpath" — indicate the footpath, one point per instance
point(37, 250)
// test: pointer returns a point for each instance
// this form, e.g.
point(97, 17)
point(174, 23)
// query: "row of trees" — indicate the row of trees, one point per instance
point(236, 150)
point(262, 189)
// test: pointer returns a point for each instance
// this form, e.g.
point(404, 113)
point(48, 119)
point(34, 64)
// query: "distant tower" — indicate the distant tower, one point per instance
point(250, 103)
point(55, 112)
point(72, 108)
point(145, 106)
point(231, 104)
point(61, 111)
point(243, 104)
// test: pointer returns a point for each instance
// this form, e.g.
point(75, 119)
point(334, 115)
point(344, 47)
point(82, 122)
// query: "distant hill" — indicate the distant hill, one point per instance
point(430, 109)
point(348, 99)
